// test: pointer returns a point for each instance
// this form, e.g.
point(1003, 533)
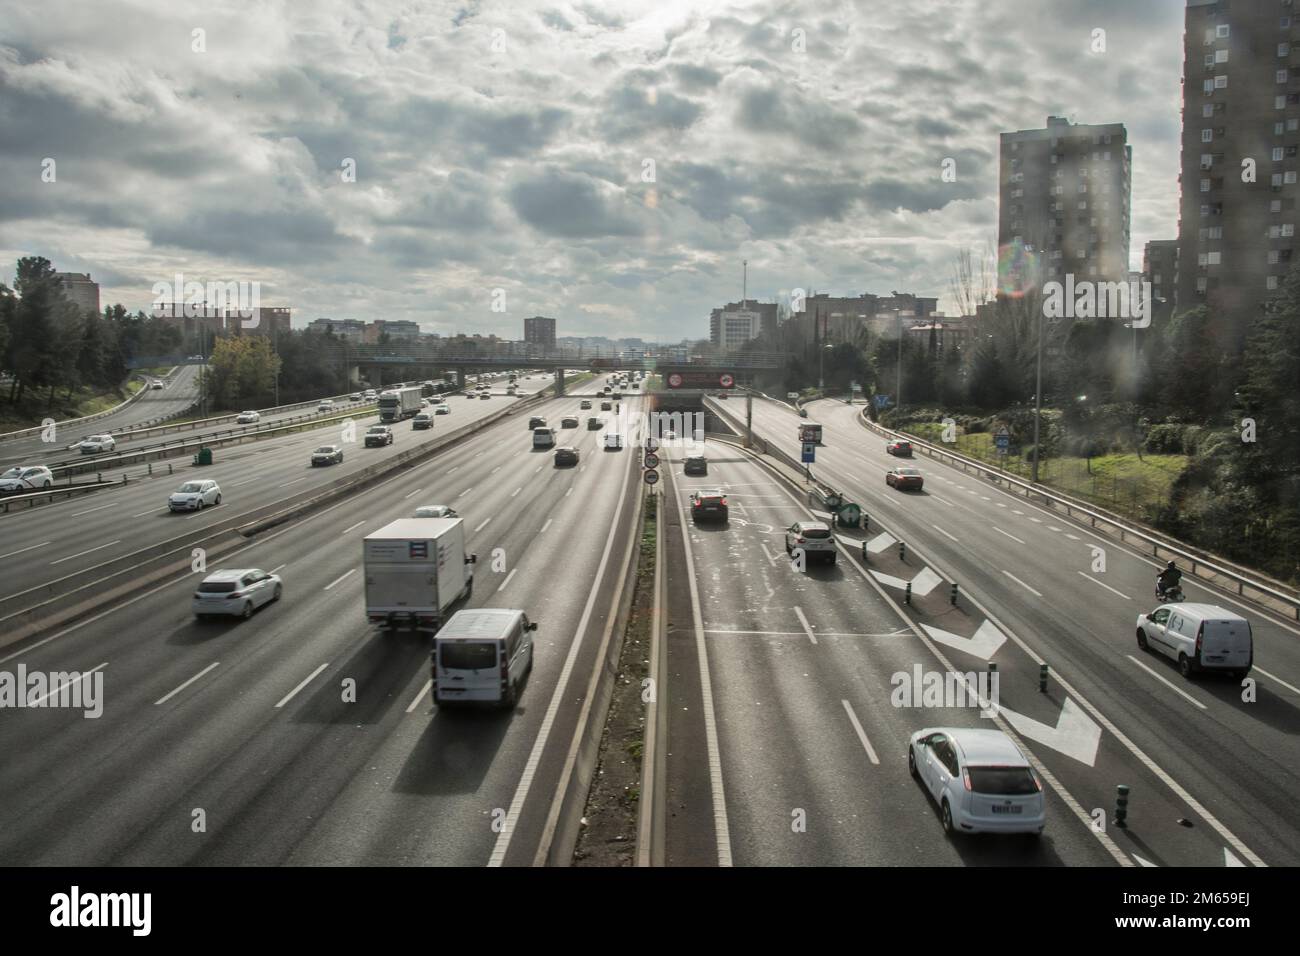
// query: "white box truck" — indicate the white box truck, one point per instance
point(396, 404)
point(416, 568)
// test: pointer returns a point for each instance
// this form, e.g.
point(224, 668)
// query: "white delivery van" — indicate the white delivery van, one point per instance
point(482, 656)
point(416, 568)
point(543, 438)
point(1200, 637)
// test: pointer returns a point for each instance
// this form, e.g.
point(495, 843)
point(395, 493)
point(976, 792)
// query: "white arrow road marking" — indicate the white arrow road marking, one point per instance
point(1075, 733)
point(1144, 862)
point(880, 542)
point(922, 584)
point(984, 644)
point(1229, 859)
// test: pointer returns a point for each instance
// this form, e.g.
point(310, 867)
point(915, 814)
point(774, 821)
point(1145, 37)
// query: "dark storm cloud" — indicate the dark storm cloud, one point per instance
point(561, 204)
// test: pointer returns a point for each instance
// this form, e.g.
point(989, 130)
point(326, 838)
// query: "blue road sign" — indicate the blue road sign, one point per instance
point(809, 453)
point(882, 401)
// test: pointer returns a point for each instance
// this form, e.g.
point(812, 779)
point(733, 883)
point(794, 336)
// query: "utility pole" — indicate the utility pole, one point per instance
point(1038, 393)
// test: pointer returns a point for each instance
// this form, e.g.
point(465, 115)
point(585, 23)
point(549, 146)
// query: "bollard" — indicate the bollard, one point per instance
point(1042, 678)
point(148, 468)
point(907, 594)
point(902, 551)
point(866, 521)
point(1121, 807)
point(864, 551)
point(954, 593)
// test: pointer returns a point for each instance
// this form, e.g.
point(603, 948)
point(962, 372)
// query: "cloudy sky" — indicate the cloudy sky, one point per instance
point(607, 163)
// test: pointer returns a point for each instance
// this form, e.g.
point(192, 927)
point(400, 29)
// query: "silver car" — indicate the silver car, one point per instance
point(97, 444)
point(22, 478)
point(435, 511)
point(979, 778)
point(195, 495)
point(239, 592)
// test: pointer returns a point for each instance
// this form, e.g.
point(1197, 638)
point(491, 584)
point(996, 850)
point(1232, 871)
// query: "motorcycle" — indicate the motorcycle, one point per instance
point(1170, 595)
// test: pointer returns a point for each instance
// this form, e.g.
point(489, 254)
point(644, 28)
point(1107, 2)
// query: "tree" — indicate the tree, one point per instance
point(1197, 377)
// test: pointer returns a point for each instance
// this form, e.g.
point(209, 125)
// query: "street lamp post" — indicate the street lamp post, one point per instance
point(1038, 392)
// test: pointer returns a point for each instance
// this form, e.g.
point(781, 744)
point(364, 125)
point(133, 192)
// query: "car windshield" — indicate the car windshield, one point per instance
point(218, 587)
point(467, 655)
point(377, 430)
point(325, 450)
point(190, 487)
point(1002, 781)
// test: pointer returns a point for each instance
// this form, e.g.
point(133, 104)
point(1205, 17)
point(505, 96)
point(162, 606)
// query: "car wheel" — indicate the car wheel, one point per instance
point(833, 557)
point(469, 589)
point(200, 507)
point(1185, 666)
point(947, 818)
point(1142, 639)
point(47, 483)
point(218, 501)
point(248, 610)
point(278, 592)
point(911, 763)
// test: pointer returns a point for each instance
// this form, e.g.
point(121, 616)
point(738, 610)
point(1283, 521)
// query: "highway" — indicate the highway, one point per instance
point(180, 390)
point(800, 669)
point(248, 742)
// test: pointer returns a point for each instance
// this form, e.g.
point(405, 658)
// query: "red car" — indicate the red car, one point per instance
point(904, 479)
point(903, 449)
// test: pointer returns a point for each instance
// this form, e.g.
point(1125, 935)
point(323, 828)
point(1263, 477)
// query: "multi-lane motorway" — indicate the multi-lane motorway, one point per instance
point(788, 747)
point(303, 735)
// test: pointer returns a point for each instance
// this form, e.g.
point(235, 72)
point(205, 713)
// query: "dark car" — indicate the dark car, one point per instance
point(536, 422)
point(568, 422)
point(904, 479)
point(707, 505)
point(584, 404)
point(327, 455)
point(566, 455)
point(594, 424)
point(696, 465)
point(606, 406)
point(379, 435)
point(903, 449)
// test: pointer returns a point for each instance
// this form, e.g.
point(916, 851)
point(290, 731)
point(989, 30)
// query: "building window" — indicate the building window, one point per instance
point(1270, 283)
point(1221, 82)
point(1277, 129)
point(1288, 229)
point(1083, 188)
point(1205, 185)
point(1288, 177)
point(1284, 49)
point(1221, 31)
point(1207, 160)
point(1292, 125)
point(1277, 154)
point(1273, 257)
point(1279, 102)
point(1281, 76)
point(1083, 206)
point(1208, 87)
point(1200, 284)
point(1220, 56)
point(1284, 23)
point(1277, 180)
point(1207, 110)
point(1275, 206)
point(1215, 258)
point(1207, 135)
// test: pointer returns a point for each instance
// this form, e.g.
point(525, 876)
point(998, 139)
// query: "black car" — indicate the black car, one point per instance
point(536, 422)
point(566, 455)
point(696, 465)
point(568, 423)
point(708, 504)
point(606, 406)
point(379, 435)
point(594, 424)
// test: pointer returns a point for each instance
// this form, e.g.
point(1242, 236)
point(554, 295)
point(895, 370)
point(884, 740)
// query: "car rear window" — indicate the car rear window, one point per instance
point(1002, 781)
point(909, 472)
point(325, 450)
point(218, 587)
point(468, 655)
point(816, 532)
point(191, 486)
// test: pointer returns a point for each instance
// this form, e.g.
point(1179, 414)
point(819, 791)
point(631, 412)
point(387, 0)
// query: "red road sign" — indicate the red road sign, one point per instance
point(675, 380)
point(726, 380)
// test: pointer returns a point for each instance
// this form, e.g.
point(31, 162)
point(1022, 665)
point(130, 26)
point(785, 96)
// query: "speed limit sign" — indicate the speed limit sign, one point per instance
point(651, 460)
point(726, 381)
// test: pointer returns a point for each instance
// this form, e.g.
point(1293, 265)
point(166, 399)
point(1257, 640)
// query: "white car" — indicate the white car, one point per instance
point(434, 511)
point(156, 384)
point(813, 537)
point(442, 408)
point(325, 406)
point(22, 478)
point(239, 592)
point(195, 495)
point(371, 395)
point(97, 444)
point(248, 418)
point(979, 778)
point(614, 441)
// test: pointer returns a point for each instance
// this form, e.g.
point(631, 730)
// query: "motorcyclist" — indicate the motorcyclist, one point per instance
point(1169, 579)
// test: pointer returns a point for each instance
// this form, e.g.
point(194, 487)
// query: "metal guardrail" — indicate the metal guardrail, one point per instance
point(37, 429)
point(1219, 570)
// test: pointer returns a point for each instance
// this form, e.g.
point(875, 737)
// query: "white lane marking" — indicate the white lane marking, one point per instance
point(82, 553)
point(1107, 587)
point(340, 578)
point(1144, 862)
point(986, 498)
point(294, 481)
point(1177, 690)
point(1000, 504)
point(32, 547)
point(68, 683)
point(1290, 687)
point(1011, 536)
point(78, 514)
point(150, 512)
point(1073, 537)
point(415, 492)
point(803, 621)
point(944, 501)
point(547, 525)
point(561, 691)
point(942, 532)
point(569, 492)
point(1036, 520)
point(482, 526)
point(1022, 584)
point(305, 681)
point(1052, 527)
point(246, 481)
point(420, 696)
point(353, 527)
point(275, 569)
point(722, 630)
point(495, 470)
point(167, 697)
point(516, 491)
point(507, 580)
point(862, 734)
point(453, 470)
point(1016, 511)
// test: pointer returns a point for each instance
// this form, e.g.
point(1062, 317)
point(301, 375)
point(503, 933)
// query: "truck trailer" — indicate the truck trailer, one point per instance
point(396, 404)
point(416, 568)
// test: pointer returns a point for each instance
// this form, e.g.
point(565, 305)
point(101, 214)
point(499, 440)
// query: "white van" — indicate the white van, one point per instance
point(543, 438)
point(482, 656)
point(1200, 637)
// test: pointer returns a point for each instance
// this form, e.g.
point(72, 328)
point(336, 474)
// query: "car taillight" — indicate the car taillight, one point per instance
point(723, 501)
point(1037, 783)
point(798, 540)
point(235, 594)
point(965, 778)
